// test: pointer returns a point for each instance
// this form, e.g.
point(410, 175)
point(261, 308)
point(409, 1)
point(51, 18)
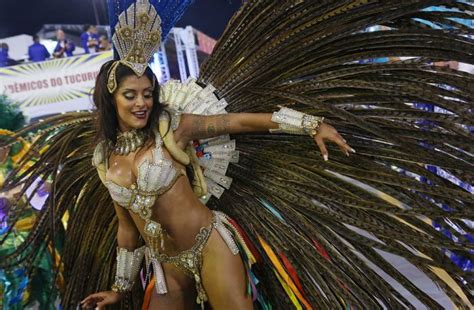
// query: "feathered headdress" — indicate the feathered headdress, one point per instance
point(138, 28)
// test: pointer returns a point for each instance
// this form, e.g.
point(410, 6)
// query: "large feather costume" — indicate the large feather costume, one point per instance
point(323, 234)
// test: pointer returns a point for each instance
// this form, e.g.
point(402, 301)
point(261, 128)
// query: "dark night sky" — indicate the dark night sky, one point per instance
point(27, 16)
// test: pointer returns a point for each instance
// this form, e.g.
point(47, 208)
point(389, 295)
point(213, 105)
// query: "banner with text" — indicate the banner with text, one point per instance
point(53, 86)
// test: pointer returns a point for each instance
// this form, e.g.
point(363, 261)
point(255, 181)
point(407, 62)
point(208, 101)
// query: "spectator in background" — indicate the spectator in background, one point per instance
point(5, 60)
point(90, 39)
point(37, 51)
point(64, 47)
point(104, 44)
point(3, 55)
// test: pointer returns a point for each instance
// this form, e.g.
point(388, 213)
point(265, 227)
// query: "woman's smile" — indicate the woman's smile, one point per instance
point(141, 114)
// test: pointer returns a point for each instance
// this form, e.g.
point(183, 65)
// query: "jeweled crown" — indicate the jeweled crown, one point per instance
point(137, 35)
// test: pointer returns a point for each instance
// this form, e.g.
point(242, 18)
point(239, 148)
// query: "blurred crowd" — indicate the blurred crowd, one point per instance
point(91, 42)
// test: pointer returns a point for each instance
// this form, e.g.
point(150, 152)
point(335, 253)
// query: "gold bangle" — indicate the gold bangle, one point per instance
point(116, 288)
point(311, 124)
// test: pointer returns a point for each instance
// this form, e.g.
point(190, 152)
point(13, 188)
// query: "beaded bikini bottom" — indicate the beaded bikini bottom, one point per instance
point(190, 261)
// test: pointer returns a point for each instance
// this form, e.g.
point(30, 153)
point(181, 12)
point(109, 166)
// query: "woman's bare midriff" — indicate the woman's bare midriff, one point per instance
point(181, 215)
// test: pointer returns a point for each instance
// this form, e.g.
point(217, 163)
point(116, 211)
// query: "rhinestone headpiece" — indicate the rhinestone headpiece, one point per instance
point(137, 37)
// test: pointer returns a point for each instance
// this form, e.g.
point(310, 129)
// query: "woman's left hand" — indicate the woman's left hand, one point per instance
point(327, 132)
point(101, 299)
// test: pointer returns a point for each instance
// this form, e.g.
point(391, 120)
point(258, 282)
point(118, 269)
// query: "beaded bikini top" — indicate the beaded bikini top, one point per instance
point(155, 177)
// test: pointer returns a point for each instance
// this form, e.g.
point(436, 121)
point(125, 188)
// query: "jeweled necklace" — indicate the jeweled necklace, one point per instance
point(128, 142)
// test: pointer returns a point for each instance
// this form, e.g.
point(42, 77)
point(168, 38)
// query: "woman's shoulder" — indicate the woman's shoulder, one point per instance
point(98, 160)
point(98, 156)
point(171, 116)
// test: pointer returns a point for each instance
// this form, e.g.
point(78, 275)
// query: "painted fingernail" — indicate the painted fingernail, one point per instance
point(347, 153)
point(344, 140)
point(352, 150)
point(325, 157)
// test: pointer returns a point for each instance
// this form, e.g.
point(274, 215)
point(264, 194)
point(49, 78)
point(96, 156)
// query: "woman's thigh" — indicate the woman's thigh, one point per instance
point(181, 291)
point(224, 276)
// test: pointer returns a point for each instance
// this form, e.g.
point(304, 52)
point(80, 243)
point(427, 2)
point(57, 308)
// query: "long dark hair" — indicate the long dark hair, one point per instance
point(107, 119)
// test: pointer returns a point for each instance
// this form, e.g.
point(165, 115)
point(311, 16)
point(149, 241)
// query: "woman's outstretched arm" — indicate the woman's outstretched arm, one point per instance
point(194, 127)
